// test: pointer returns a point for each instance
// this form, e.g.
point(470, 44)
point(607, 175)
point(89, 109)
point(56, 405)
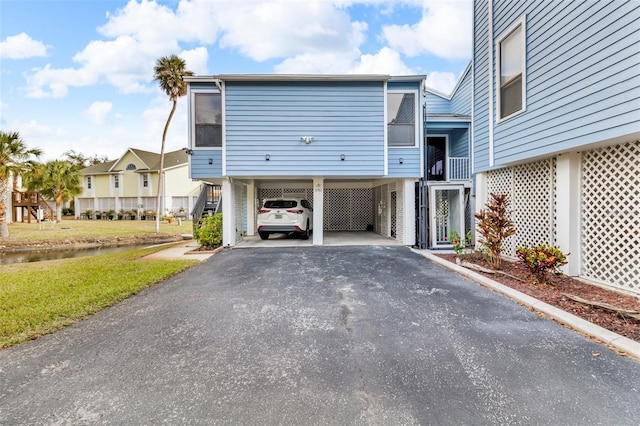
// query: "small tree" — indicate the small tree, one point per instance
point(494, 227)
point(56, 179)
point(15, 158)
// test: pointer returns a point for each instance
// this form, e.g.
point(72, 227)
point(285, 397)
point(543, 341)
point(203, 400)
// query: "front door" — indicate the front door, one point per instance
point(436, 158)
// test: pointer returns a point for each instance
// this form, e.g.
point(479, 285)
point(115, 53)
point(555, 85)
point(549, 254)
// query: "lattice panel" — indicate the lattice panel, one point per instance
point(533, 202)
point(610, 200)
point(400, 213)
point(394, 213)
point(240, 209)
point(532, 193)
point(348, 209)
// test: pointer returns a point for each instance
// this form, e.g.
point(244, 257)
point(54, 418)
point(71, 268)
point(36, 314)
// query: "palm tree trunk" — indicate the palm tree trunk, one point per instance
point(161, 171)
point(4, 192)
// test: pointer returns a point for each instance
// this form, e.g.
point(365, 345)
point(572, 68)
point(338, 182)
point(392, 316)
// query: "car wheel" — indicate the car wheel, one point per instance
point(263, 235)
point(305, 235)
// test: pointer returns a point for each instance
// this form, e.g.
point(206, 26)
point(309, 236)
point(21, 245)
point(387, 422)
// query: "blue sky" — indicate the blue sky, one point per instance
point(78, 74)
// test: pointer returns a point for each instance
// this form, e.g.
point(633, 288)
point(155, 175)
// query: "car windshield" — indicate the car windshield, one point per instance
point(280, 204)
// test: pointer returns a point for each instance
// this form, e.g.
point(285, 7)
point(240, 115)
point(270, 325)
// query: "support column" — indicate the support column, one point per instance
point(409, 209)
point(481, 191)
point(568, 207)
point(251, 207)
point(228, 214)
point(318, 211)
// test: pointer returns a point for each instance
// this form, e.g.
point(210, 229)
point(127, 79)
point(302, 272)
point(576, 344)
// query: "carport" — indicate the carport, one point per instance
point(348, 211)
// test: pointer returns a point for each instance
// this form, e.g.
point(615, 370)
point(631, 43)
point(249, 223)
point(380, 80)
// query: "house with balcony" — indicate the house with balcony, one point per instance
point(556, 125)
point(445, 194)
point(127, 187)
point(349, 144)
point(355, 146)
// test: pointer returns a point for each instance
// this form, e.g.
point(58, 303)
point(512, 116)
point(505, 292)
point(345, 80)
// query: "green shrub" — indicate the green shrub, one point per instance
point(208, 233)
point(542, 259)
point(494, 226)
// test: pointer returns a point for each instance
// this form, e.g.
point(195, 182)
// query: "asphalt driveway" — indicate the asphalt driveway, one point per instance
point(317, 335)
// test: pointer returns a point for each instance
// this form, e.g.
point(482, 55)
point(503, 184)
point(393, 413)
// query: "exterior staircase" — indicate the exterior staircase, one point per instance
point(209, 202)
point(31, 205)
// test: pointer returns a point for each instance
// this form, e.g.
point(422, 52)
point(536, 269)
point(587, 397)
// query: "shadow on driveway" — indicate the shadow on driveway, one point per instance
point(317, 335)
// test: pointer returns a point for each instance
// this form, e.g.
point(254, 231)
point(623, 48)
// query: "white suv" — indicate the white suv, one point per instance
point(289, 215)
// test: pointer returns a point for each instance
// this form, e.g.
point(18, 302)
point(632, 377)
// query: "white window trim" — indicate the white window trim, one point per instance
point(522, 22)
point(192, 120)
point(417, 110)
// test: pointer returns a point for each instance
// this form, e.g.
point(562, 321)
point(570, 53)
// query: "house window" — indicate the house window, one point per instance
point(145, 180)
point(208, 120)
point(116, 181)
point(511, 60)
point(131, 167)
point(88, 182)
point(401, 116)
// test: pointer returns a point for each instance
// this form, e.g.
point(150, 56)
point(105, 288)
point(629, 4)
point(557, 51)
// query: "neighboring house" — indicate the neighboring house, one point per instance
point(445, 194)
point(556, 124)
point(350, 144)
point(130, 183)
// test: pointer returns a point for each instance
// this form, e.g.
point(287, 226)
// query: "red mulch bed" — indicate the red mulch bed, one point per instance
point(552, 293)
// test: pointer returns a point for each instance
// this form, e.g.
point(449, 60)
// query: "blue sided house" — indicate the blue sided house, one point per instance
point(372, 153)
point(556, 125)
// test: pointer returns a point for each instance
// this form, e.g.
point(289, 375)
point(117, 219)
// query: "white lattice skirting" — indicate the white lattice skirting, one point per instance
point(610, 199)
point(609, 211)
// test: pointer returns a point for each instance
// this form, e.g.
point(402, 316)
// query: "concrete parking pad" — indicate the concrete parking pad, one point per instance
point(317, 335)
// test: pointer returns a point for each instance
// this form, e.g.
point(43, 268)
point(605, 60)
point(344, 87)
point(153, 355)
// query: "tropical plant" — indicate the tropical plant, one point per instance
point(81, 161)
point(460, 245)
point(15, 158)
point(169, 72)
point(57, 179)
point(494, 227)
point(542, 259)
point(208, 233)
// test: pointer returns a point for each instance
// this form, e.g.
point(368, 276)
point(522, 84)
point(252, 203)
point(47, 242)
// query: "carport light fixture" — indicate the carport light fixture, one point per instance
point(401, 160)
point(341, 157)
point(210, 160)
point(267, 157)
point(306, 139)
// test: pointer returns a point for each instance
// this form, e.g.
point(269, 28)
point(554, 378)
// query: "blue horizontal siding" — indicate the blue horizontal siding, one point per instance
point(410, 166)
point(583, 84)
point(200, 167)
point(461, 99)
point(480, 87)
point(271, 117)
point(437, 104)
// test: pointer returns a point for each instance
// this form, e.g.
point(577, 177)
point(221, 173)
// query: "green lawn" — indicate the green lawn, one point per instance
point(70, 228)
point(42, 297)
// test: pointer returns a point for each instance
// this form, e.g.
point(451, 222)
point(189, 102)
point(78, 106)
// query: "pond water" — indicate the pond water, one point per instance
point(40, 255)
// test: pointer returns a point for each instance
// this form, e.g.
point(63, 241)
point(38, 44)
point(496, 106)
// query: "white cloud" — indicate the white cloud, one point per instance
point(443, 82)
point(48, 82)
point(196, 60)
point(278, 29)
point(386, 61)
point(22, 46)
point(444, 31)
point(98, 111)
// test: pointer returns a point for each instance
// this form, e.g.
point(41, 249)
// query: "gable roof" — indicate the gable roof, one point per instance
point(151, 162)
point(455, 89)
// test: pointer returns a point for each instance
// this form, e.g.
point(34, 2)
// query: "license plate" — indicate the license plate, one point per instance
point(278, 216)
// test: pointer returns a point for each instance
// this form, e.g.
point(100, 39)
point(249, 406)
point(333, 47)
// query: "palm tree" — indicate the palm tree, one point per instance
point(169, 72)
point(57, 179)
point(14, 159)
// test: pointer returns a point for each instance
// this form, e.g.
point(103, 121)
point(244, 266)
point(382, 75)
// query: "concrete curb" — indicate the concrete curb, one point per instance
point(621, 343)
